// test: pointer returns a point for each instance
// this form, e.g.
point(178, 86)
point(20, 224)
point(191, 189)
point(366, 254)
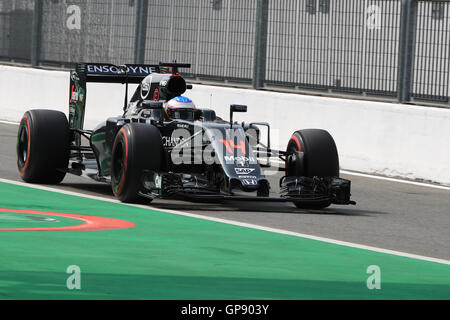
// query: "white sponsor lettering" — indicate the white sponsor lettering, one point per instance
point(113, 69)
point(245, 171)
point(239, 159)
point(133, 69)
point(75, 96)
point(171, 141)
point(145, 90)
point(249, 182)
point(248, 177)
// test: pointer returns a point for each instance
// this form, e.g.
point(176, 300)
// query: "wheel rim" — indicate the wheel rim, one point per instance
point(22, 146)
point(290, 153)
point(118, 168)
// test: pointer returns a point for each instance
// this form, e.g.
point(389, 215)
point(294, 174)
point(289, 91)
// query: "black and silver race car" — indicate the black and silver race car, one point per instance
point(191, 154)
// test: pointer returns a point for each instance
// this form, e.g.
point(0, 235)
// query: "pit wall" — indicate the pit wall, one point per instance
point(372, 137)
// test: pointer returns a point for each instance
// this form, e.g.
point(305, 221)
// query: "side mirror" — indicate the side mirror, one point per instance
point(236, 108)
point(152, 105)
point(207, 115)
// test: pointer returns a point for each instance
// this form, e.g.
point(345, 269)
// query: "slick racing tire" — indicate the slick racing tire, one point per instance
point(312, 153)
point(137, 148)
point(43, 146)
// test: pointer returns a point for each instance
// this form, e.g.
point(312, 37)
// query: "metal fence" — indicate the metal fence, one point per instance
point(333, 46)
point(431, 51)
point(392, 48)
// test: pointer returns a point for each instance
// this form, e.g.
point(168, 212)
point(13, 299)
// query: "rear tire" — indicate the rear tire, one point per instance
point(43, 146)
point(137, 147)
point(320, 159)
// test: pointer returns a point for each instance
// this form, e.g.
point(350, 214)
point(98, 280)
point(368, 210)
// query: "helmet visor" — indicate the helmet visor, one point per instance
point(181, 114)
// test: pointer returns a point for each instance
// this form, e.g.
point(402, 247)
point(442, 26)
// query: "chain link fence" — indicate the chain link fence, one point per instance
point(392, 48)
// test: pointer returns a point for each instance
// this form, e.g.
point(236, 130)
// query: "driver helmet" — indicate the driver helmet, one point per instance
point(180, 108)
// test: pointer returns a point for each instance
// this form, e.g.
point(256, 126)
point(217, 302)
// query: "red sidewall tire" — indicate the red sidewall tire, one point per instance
point(43, 146)
point(24, 161)
point(136, 149)
point(122, 143)
point(320, 159)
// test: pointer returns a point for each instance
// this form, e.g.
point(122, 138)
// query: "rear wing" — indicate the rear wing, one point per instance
point(130, 73)
point(106, 73)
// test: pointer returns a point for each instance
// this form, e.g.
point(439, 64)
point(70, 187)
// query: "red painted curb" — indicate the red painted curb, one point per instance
point(91, 223)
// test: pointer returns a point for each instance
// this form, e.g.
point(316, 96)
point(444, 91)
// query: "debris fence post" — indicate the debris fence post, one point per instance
point(260, 56)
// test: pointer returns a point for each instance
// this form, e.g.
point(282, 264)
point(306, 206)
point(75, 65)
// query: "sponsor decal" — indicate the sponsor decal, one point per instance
point(74, 77)
point(248, 177)
point(240, 159)
point(147, 113)
point(230, 144)
point(171, 141)
point(137, 70)
point(242, 164)
point(76, 96)
point(145, 89)
point(141, 70)
point(249, 182)
point(71, 94)
point(241, 171)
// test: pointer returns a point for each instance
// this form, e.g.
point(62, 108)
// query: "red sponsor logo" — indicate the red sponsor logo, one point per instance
point(229, 145)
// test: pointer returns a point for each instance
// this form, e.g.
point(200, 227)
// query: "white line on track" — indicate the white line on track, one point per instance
point(420, 184)
point(9, 122)
point(240, 224)
point(369, 176)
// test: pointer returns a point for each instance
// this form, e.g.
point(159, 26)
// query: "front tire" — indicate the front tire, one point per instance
point(43, 146)
point(312, 153)
point(137, 148)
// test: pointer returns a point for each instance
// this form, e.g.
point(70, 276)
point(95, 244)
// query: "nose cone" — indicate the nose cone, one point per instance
point(249, 184)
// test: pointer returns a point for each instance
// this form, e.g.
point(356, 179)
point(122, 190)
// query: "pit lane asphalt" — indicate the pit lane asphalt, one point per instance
point(390, 215)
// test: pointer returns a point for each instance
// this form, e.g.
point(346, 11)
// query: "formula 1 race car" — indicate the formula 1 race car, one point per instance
point(165, 147)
